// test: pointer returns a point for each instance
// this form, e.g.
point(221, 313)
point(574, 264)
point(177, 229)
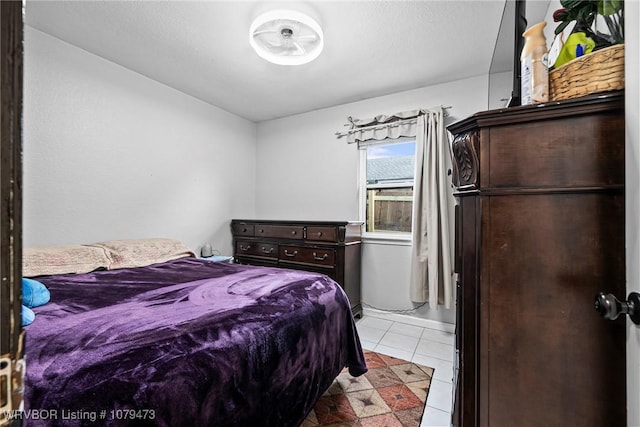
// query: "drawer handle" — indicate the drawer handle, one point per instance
point(265, 251)
point(322, 258)
point(319, 233)
point(245, 248)
point(289, 254)
point(261, 231)
point(294, 232)
point(244, 230)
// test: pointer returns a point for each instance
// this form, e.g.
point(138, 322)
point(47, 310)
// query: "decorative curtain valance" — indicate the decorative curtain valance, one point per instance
point(367, 131)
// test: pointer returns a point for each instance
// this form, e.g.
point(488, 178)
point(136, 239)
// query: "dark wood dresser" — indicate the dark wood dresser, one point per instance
point(539, 232)
point(329, 247)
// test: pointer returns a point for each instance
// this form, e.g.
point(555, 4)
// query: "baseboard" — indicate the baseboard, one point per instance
point(411, 320)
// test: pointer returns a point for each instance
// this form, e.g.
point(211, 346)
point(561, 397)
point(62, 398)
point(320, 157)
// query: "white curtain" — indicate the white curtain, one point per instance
point(433, 204)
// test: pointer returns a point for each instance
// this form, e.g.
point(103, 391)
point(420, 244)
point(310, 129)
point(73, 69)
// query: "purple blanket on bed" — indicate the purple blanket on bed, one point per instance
point(188, 343)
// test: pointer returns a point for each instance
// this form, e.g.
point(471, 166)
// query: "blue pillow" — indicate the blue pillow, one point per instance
point(34, 293)
point(28, 316)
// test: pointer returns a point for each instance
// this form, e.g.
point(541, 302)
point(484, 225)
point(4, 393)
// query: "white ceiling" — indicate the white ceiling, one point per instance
point(372, 48)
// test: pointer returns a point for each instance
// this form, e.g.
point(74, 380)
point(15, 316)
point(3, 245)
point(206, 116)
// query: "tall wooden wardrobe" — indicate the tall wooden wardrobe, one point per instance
point(539, 232)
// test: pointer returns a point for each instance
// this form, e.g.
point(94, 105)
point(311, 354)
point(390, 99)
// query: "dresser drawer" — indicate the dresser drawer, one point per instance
point(243, 229)
point(322, 234)
point(279, 231)
point(245, 247)
point(307, 255)
point(265, 262)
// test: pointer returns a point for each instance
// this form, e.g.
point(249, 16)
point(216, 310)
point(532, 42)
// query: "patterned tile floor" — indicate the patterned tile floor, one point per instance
point(424, 346)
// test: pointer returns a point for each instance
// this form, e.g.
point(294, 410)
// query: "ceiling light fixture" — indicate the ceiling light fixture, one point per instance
point(286, 37)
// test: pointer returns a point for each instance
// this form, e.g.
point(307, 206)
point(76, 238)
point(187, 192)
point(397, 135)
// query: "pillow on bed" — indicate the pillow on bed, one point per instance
point(28, 316)
point(47, 260)
point(140, 252)
point(34, 293)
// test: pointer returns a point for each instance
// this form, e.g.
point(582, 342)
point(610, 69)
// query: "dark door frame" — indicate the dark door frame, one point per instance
point(11, 333)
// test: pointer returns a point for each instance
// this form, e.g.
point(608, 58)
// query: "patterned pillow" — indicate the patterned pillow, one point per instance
point(140, 252)
point(48, 260)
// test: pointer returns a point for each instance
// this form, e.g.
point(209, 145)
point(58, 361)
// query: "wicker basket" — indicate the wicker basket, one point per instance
point(599, 71)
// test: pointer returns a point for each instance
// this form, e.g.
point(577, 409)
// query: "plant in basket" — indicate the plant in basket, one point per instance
point(584, 37)
point(584, 59)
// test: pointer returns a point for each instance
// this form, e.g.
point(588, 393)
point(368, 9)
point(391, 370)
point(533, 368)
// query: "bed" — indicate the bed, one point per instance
point(183, 341)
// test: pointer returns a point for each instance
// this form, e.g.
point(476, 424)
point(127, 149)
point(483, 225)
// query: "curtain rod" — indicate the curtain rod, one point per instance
point(395, 123)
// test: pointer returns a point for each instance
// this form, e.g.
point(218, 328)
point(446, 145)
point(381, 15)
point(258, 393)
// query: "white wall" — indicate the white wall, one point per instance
point(109, 154)
point(632, 113)
point(304, 172)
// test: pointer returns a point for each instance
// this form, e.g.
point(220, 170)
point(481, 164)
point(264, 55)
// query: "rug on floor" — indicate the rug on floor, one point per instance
point(392, 393)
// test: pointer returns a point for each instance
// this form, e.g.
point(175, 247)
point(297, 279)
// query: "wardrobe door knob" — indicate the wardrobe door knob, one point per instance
point(610, 307)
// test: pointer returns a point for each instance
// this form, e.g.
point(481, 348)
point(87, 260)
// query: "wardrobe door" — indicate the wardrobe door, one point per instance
point(550, 358)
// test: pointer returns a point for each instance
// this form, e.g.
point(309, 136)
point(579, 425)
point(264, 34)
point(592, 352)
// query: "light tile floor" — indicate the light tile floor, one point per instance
point(425, 346)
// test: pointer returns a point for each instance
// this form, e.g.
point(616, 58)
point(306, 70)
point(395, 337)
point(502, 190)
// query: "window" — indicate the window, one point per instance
point(387, 186)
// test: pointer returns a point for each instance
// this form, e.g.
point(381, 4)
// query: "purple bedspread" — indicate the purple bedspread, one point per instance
point(191, 342)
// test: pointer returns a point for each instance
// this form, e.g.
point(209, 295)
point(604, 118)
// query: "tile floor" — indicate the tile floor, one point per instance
point(420, 345)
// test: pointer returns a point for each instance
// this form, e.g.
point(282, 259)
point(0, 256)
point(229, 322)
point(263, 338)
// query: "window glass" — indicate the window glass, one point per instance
point(389, 187)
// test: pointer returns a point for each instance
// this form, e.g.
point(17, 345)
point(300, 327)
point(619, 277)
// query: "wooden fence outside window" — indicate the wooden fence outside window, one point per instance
point(389, 209)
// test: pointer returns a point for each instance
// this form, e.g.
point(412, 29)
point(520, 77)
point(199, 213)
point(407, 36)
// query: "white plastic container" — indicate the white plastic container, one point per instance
point(534, 67)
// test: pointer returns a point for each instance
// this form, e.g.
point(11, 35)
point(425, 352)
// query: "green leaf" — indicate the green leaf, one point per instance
point(609, 7)
point(561, 27)
point(571, 4)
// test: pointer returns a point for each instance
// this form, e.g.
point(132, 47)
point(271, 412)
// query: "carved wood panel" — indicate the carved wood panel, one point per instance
point(465, 161)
